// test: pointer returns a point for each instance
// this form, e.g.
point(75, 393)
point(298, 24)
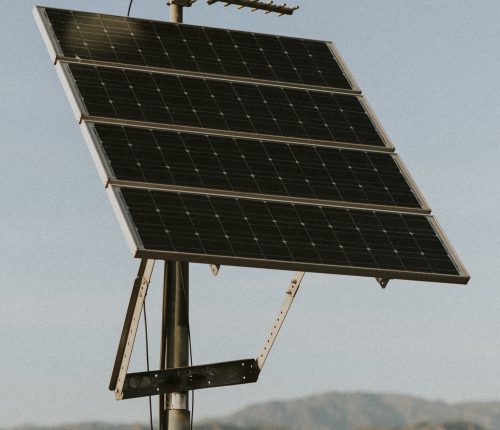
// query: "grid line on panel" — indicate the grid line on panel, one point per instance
point(254, 166)
point(186, 47)
point(225, 105)
point(289, 232)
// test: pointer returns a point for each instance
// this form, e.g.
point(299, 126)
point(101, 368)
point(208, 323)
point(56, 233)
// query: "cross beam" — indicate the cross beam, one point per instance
point(182, 379)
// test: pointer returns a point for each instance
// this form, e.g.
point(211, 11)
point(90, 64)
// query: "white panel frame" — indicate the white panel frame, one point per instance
point(97, 152)
point(74, 97)
point(343, 65)
point(48, 36)
point(132, 237)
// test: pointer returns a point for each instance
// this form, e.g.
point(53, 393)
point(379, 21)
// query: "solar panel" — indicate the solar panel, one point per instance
point(225, 147)
point(225, 105)
point(254, 166)
point(141, 42)
point(283, 235)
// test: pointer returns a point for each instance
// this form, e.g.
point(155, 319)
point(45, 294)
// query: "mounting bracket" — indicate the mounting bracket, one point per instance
point(130, 325)
point(182, 379)
point(383, 282)
point(291, 292)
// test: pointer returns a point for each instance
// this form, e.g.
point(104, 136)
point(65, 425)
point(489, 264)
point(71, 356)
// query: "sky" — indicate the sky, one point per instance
point(428, 68)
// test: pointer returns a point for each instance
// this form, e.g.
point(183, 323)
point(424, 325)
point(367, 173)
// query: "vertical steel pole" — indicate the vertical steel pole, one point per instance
point(178, 416)
point(174, 407)
point(175, 12)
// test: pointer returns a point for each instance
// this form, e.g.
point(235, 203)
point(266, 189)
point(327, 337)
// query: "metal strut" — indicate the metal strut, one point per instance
point(285, 307)
point(130, 325)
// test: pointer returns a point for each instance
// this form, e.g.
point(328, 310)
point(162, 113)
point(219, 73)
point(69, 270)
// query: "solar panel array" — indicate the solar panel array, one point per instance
point(230, 147)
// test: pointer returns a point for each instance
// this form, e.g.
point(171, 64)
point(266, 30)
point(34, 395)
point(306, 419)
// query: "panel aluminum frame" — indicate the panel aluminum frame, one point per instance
point(139, 251)
point(107, 176)
point(57, 54)
point(343, 65)
point(77, 103)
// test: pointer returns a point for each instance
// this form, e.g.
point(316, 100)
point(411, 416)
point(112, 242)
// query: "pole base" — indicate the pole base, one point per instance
point(178, 419)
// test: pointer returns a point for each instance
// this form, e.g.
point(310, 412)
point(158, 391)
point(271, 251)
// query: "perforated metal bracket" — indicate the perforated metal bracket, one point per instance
point(130, 325)
point(383, 282)
point(291, 292)
point(183, 379)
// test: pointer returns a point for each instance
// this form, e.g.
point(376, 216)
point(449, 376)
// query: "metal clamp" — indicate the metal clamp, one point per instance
point(383, 282)
point(215, 269)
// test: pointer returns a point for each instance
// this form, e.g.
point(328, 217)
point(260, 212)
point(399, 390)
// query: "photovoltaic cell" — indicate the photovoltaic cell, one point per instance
point(185, 47)
point(262, 230)
point(275, 173)
point(254, 166)
point(224, 105)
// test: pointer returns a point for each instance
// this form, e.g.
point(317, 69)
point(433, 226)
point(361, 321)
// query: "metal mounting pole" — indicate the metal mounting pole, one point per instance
point(174, 407)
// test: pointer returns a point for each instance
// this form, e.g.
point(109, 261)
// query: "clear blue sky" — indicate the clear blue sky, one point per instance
point(430, 69)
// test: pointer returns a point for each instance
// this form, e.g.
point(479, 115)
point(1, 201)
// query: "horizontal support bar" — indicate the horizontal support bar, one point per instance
point(183, 379)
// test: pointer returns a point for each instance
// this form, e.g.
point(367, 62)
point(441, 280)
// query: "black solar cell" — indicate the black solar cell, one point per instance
point(200, 49)
point(254, 166)
point(224, 105)
point(285, 232)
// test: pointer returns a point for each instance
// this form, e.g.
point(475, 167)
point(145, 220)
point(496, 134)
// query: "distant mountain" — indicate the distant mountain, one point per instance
point(349, 411)
point(420, 426)
point(340, 411)
point(427, 426)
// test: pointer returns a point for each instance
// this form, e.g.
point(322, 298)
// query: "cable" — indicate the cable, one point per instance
point(129, 7)
point(147, 357)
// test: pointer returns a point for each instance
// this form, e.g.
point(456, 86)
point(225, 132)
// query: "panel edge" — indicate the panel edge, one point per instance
point(133, 240)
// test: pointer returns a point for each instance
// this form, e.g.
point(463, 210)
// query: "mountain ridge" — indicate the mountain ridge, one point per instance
point(336, 411)
point(353, 410)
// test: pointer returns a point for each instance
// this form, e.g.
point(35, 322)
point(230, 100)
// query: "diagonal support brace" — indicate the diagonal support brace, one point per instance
point(130, 326)
point(285, 307)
